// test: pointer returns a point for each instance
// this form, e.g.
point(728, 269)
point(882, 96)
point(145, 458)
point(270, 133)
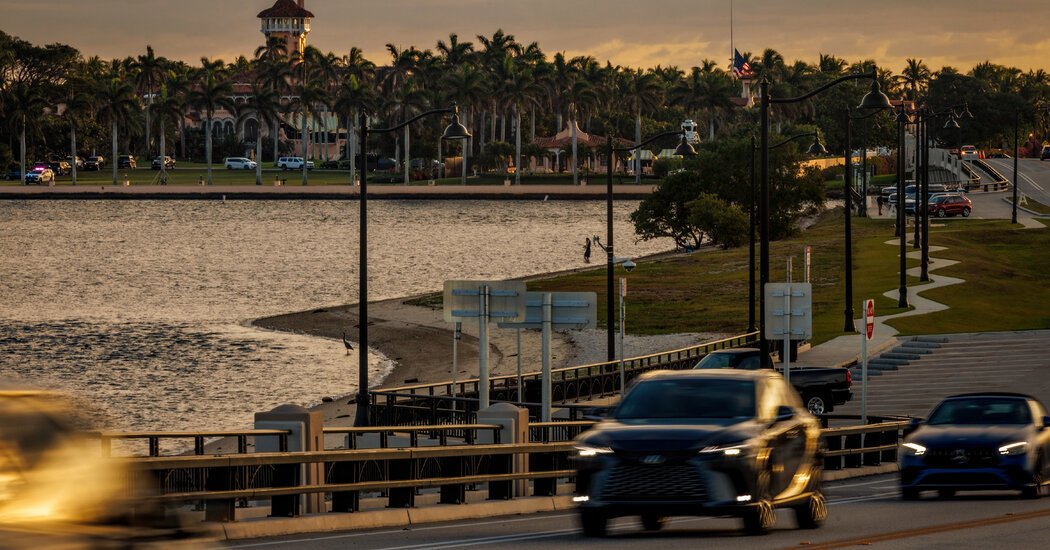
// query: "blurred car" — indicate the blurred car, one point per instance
point(40, 176)
point(60, 167)
point(127, 161)
point(79, 162)
point(978, 441)
point(169, 163)
point(239, 163)
point(702, 443)
point(950, 204)
point(1045, 154)
point(57, 491)
point(94, 164)
point(968, 152)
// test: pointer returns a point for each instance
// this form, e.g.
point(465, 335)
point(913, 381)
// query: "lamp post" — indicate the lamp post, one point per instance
point(902, 292)
point(684, 149)
point(1013, 215)
point(848, 325)
point(455, 130)
point(815, 149)
point(874, 99)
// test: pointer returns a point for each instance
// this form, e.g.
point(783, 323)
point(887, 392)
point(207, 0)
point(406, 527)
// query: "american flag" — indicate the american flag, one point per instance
point(741, 68)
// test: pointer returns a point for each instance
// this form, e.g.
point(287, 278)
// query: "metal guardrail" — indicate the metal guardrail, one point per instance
point(398, 475)
point(153, 439)
point(447, 403)
point(469, 433)
point(1000, 181)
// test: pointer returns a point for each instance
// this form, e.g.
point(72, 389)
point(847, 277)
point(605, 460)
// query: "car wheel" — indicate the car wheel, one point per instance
point(941, 213)
point(966, 212)
point(760, 518)
point(812, 513)
point(946, 493)
point(593, 523)
point(652, 522)
point(1035, 490)
point(817, 404)
point(908, 493)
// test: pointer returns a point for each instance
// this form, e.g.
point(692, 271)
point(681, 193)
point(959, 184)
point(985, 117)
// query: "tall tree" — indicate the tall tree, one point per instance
point(148, 71)
point(210, 94)
point(116, 102)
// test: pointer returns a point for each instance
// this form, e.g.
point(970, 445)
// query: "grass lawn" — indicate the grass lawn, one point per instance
point(1033, 205)
point(874, 182)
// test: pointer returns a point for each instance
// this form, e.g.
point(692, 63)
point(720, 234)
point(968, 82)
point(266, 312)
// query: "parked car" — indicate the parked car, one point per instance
point(60, 167)
point(127, 161)
point(76, 160)
point(294, 163)
point(822, 389)
point(169, 163)
point(240, 163)
point(1045, 154)
point(13, 173)
point(978, 441)
point(39, 166)
point(968, 152)
point(331, 165)
point(702, 443)
point(40, 176)
point(950, 205)
point(94, 164)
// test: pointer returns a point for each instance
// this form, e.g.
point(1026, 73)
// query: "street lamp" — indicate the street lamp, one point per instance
point(684, 149)
point(455, 130)
point(902, 293)
point(815, 149)
point(874, 99)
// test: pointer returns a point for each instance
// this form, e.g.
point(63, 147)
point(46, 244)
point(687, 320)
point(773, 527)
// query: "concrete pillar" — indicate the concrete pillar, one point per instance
point(307, 434)
point(515, 422)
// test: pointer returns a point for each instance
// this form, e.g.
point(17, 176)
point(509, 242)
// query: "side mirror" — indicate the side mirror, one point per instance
point(1046, 422)
point(785, 413)
point(915, 423)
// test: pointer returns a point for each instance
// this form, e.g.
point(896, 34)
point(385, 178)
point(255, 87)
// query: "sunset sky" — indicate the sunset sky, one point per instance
point(627, 32)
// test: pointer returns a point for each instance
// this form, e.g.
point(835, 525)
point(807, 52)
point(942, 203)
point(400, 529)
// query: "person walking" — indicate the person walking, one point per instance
point(587, 250)
point(879, 200)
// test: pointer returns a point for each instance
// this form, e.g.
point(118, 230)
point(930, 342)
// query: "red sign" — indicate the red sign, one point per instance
point(869, 318)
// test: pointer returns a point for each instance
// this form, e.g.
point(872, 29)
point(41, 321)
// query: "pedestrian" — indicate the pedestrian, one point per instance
point(879, 200)
point(587, 250)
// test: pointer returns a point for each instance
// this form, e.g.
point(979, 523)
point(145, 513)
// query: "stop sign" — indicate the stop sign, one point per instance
point(869, 318)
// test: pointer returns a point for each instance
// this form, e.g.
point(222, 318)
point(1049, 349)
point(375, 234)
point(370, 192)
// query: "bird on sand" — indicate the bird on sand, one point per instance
point(347, 344)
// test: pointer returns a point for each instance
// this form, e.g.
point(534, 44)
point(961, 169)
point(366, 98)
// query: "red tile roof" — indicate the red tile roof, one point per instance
point(285, 8)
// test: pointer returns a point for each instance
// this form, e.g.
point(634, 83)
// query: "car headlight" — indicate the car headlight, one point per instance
point(732, 449)
point(913, 449)
point(587, 451)
point(1014, 449)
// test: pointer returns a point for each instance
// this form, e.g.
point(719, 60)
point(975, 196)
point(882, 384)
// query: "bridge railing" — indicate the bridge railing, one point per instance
point(445, 402)
point(154, 439)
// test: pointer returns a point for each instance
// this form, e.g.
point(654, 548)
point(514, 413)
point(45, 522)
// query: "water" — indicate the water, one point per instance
point(143, 306)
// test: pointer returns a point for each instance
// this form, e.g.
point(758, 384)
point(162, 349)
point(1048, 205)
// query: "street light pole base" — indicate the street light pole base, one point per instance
point(849, 326)
point(902, 297)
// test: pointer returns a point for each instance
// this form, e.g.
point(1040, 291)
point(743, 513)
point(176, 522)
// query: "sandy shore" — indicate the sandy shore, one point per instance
point(419, 342)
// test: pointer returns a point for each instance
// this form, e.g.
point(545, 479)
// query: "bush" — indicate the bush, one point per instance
point(663, 167)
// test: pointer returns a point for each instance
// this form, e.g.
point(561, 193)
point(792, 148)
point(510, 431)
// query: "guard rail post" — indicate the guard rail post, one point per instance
point(306, 431)
point(515, 430)
point(221, 510)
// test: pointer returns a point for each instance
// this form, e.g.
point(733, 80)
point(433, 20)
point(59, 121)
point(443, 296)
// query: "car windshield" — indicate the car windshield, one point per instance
point(717, 361)
point(688, 398)
point(979, 411)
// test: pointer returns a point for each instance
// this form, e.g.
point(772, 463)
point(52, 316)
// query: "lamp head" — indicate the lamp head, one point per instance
point(455, 130)
point(628, 266)
point(966, 112)
point(685, 149)
point(875, 99)
point(817, 149)
point(952, 124)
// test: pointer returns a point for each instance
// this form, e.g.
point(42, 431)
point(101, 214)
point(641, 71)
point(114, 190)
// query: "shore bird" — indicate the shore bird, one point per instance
point(347, 344)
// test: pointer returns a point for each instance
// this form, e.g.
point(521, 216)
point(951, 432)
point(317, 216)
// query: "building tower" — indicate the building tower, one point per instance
point(289, 20)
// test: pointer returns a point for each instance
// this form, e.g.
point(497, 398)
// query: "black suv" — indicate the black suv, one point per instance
point(127, 161)
point(94, 164)
point(702, 443)
point(169, 163)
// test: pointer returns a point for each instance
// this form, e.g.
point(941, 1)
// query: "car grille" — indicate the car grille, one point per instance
point(963, 479)
point(962, 458)
point(636, 481)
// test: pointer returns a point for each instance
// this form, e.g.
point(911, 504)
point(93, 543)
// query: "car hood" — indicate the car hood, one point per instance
point(955, 436)
point(658, 435)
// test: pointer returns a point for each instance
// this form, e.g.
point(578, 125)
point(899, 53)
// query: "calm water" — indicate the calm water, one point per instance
point(142, 306)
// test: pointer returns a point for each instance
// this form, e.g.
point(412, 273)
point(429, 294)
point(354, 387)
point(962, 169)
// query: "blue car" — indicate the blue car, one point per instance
point(978, 442)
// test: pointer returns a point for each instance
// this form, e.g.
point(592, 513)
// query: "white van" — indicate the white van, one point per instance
point(294, 163)
point(239, 163)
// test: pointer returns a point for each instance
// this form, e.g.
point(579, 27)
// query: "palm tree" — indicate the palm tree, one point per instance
point(179, 81)
point(24, 107)
point(265, 105)
point(643, 92)
point(273, 70)
point(914, 78)
point(310, 95)
point(519, 89)
point(353, 97)
point(168, 107)
point(79, 103)
point(211, 93)
point(469, 86)
point(150, 69)
point(116, 101)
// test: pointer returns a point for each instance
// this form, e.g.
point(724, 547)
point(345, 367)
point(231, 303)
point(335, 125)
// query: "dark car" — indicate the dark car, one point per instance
point(822, 389)
point(77, 160)
point(127, 161)
point(702, 443)
point(94, 164)
point(169, 163)
point(60, 167)
point(1045, 154)
point(978, 441)
point(950, 205)
point(13, 173)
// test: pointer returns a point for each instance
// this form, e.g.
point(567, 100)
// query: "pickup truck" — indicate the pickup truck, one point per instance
point(821, 388)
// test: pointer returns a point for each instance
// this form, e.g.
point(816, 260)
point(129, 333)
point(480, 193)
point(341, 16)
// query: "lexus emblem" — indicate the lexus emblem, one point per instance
point(959, 456)
point(653, 460)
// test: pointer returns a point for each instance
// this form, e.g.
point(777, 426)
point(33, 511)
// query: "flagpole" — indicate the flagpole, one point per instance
point(732, 46)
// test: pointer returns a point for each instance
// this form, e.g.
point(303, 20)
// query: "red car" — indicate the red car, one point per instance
point(950, 205)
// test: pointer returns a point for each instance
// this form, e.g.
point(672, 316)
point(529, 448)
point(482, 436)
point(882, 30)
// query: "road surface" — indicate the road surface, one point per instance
point(862, 511)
